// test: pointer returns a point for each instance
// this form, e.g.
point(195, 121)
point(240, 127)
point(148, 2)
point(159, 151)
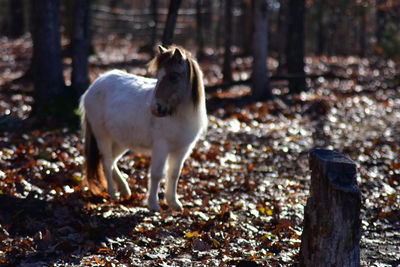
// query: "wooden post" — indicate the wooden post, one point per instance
point(331, 230)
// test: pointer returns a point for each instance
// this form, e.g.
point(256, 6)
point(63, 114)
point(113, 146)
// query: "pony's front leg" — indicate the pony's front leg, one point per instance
point(159, 157)
point(175, 163)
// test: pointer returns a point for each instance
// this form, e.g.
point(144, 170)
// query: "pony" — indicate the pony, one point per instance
point(162, 117)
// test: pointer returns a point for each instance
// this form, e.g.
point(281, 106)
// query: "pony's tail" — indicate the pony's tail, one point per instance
point(92, 168)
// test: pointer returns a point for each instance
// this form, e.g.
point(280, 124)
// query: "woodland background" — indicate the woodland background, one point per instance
point(282, 77)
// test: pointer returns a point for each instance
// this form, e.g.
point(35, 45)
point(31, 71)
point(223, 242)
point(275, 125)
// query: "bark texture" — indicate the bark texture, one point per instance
point(331, 231)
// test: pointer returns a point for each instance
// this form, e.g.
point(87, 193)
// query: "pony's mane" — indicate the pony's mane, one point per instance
point(166, 57)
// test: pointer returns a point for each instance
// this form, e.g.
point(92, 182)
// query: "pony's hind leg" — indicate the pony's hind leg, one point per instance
point(175, 163)
point(105, 147)
point(120, 181)
point(118, 177)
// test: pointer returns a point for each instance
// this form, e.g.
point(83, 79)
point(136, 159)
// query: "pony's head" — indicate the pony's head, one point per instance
point(179, 81)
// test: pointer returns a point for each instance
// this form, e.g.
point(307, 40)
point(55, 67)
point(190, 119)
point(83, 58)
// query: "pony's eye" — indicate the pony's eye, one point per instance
point(174, 77)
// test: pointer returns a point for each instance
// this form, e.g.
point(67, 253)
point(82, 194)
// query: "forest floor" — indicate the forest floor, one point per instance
point(243, 188)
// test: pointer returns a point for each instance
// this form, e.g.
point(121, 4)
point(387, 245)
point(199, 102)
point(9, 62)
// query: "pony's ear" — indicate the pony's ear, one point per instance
point(178, 55)
point(162, 49)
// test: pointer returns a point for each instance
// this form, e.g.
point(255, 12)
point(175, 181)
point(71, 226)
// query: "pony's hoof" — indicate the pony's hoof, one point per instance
point(176, 205)
point(126, 192)
point(113, 195)
point(153, 206)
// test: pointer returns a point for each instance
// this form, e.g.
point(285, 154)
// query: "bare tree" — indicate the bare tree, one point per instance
point(17, 18)
point(227, 67)
point(80, 48)
point(168, 35)
point(295, 46)
point(260, 79)
point(321, 6)
point(154, 23)
point(47, 68)
point(363, 29)
point(380, 20)
point(199, 26)
point(219, 27)
point(248, 25)
point(282, 34)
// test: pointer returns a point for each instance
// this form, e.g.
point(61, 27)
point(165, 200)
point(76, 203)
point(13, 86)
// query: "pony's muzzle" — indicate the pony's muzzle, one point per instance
point(159, 110)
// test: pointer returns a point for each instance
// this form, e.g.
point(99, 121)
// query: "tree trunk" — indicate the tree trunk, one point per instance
point(67, 23)
point(17, 18)
point(260, 79)
point(363, 30)
point(47, 68)
point(380, 20)
point(295, 45)
point(247, 27)
point(199, 27)
point(168, 35)
point(227, 67)
point(218, 28)
point(113, 4)
point(154, 24)
point(80, 48)
point(332, 226)
point(321, 29)
point(282, 36)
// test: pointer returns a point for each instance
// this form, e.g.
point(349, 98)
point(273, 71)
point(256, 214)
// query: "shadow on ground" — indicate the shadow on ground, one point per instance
point(56, 229)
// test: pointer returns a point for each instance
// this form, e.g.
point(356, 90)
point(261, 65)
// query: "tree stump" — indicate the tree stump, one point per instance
point(331, 230)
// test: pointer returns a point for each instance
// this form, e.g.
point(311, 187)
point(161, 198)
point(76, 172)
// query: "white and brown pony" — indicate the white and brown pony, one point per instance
point(160, 117)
